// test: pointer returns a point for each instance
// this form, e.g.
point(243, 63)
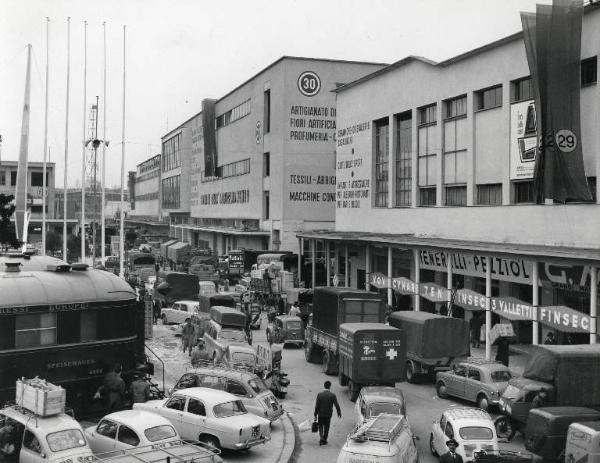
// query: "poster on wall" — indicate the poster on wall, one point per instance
point(353, 173)
point(523, 140)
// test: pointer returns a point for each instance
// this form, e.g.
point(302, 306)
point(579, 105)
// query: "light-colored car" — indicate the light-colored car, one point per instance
point(472, 428)
point(476, 380)
point(128, 429)
point(238, 355)
point(386, 438)
point(179, 312)
point(246, 386)
point(56, 438)
point(217, 338)
point(374, 400)
point(216, 418)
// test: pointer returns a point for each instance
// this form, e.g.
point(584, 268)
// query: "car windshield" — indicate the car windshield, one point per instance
point(157, 433)
point(384, 407)
point(233, 335)
point(235, 407)
point(501, 376)
point(258, 385)
point(476, 433)
point(513, 393)
point(65, 440)
point(292, 325)
point(243, 357)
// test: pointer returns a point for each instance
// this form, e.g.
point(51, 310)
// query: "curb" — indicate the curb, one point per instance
point(289, 439)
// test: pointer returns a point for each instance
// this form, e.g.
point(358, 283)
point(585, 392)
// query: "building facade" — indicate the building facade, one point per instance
point(145, 200)
point(93, 204)
point(35, 186)
point(259, 163)
point(434, 196)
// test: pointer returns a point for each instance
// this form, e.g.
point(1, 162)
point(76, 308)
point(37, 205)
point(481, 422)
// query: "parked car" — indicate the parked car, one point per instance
point(386, 438)
point(216, 418)
point(286, 329)
point(179, 312)
point(374, 400)
point(246, 386)
point(240, 356)
point(476, 380)
point(472, 428)
point(218, 337)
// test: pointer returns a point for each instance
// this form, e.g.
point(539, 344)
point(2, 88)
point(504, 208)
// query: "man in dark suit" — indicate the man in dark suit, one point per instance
point(324, 410)
point(451, 456)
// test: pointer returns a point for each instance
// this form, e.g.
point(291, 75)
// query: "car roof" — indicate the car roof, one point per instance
point(137, 419)
point(206, 394)
point(186, 301)
point(374, 393)
point(464, 414)
point(49, 423)
point(239, 347)
point(288, 317)
point(227, 372)
point(481, 362)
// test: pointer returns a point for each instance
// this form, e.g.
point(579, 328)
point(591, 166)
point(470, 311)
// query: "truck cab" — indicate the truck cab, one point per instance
point(37, 439)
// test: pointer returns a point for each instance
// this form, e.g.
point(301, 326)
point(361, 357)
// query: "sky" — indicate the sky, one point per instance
point(178, 52)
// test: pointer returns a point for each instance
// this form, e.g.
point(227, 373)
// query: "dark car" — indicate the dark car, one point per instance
point(286, 329)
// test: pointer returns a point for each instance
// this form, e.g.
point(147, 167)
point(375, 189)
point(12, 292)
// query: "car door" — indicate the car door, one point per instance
point(126, 438)
point(237, 388)
point(438, 435)
point(194, 419)
point(472, 384)
point(172, 410)
point(456, 386)
point(169, 311)
point(32, 450)
point(104, 437)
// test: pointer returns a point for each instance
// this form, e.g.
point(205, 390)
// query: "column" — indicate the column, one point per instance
point(594, 304)
point(488, 311)
point(389, 274)
point(299, 259)
point(346, 276)
point(367, 266)
point(535, 288)
point(328, 262)
point(449, 279)
point(313, 276)
point(417, 298)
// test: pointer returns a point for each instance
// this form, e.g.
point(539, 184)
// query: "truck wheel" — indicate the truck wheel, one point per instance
point(504, 428)
point(482, 402)
point(411, 376)
point(312, 353)
point(343, 379)
point(441, 390)
point(432, 446)
point(328, 363)
point(353, 389)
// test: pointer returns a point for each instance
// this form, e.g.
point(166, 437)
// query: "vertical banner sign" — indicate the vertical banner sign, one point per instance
point(553, 45)
point(523, 140)
point(210, 140)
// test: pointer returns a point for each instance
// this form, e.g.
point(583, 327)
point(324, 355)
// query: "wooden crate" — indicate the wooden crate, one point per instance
point(40, 397)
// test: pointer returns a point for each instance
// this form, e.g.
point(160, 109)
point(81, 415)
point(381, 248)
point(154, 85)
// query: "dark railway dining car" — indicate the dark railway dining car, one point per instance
point(67, 324)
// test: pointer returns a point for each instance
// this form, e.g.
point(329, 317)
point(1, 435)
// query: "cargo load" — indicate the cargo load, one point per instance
point(40, 397)
point(226, 316)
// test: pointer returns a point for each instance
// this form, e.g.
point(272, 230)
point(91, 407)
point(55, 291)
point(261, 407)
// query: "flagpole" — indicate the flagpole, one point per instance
point(66, 142)
point(44, 186)
point(103, 221)
point(121, 232)
point(83, 143)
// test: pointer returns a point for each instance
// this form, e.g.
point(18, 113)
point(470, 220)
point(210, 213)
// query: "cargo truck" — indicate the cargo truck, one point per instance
point(370, 354)
point(432, 342)
point(333, 306)
point(562, 375)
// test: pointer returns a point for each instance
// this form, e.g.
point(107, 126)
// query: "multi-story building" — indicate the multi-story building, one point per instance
point(146, 189)
point(93, 204)
point(258, 163)
point(434, 198)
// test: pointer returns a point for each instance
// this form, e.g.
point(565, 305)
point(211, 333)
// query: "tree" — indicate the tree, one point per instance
point(8, 236)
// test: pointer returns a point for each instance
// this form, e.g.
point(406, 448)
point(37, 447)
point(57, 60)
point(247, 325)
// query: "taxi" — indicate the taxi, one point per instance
point(472, 428)
point(38, 439)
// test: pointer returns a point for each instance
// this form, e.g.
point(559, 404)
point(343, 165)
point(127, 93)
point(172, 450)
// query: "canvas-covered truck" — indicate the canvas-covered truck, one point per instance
point(370, 354)
point(333, 306)
point(554, 376)
point(432, 341)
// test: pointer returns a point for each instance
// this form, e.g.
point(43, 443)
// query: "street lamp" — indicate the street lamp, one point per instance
point(95, 142)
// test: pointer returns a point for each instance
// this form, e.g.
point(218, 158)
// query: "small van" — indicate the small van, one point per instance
point(253, 392)
point(583, 442)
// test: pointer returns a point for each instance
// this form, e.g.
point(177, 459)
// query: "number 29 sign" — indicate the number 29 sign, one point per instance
point(309, 83)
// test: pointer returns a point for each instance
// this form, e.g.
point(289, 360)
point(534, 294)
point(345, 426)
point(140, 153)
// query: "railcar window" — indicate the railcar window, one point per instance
point(35, 330)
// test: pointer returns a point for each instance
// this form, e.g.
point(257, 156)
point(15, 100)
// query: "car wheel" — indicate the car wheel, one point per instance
point(441, 390)
point(482, 402)
point(211, 441)
point(432, 446)
point(504, 428)
point(164, 319)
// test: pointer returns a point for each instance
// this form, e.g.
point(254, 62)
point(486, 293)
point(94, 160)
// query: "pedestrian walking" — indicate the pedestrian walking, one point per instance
point(156, 311)
point(324, 404)
point(114, 389)
point(451, 456)
point(139, 390)
point(294, 309)
point(187, 336)
point(475, 328)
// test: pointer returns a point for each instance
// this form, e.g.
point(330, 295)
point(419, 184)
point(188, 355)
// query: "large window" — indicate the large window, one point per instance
point(489, 98)
point(35, 330)
point(404, 159)
point(2, 177)
point(456, 195)
point(427, 114)
point(267, 111)
point(489, 194)
point(266, 164)
point(37, 179)
point(233, 114)
point(428, 148)
point(427, 196)
point(589, 71)
point(381, 162)
point(233, 169)
point(521, 90)
point(523, 192)
point(456, 134)
point(171, 192)
point(171, 153)
point(267, 205)
point(456, 107)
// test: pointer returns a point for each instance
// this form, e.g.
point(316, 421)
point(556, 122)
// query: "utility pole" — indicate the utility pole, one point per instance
point(95, 190)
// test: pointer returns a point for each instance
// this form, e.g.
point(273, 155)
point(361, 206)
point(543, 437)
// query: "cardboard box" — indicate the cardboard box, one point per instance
point(40, 397)
point(501, 330)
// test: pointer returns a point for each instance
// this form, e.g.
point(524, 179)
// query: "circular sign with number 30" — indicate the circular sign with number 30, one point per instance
point(309, 83)
point(566, 140)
